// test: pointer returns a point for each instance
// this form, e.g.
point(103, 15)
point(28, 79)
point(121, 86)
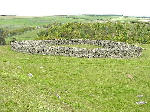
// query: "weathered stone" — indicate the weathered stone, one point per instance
point(110, 49)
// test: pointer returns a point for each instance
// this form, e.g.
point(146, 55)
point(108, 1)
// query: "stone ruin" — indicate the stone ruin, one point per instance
point(2, 40)
point(110, 49)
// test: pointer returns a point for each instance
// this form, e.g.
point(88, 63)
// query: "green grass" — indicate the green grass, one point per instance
point(15, 23)
point(65, 84)
point(92, 17)
point(61, 84)
point(9, 22)
point(18, 22)
point(28, 35)
point(87, 46)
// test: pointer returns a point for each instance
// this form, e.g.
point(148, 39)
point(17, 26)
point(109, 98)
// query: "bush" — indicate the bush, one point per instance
point(2, 40)
point(133, 32)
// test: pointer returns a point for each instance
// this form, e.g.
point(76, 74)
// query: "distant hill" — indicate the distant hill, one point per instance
point(102, 15)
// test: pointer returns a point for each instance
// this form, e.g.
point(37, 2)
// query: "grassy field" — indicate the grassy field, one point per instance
point(37, 83)
point(18, 22)
point(29, 35)
point(40, 83)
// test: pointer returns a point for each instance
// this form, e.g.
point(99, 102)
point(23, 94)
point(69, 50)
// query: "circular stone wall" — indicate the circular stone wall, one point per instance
point(110, 49)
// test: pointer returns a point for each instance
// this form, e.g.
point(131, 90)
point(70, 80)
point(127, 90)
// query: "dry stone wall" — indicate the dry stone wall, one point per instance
point(109, 48)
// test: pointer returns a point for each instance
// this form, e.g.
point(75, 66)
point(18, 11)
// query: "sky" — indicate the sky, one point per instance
point(74, 7)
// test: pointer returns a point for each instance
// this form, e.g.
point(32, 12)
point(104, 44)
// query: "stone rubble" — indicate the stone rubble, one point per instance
point(109, 48)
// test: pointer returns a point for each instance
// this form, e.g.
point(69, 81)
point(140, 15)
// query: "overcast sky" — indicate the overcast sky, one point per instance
point(72, 7)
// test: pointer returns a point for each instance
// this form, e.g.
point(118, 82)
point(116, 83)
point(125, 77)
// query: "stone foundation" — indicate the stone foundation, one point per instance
point(110, 49)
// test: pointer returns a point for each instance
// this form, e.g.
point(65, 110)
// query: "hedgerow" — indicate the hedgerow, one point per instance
point(131, 32)
point(18, 31)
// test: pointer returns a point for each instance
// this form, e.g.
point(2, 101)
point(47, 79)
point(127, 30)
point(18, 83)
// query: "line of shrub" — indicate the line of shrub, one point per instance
point(18, 31)
point(131, 32)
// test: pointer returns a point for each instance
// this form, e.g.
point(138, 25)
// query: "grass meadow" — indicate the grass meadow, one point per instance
point(73, 84)
point(42, 83)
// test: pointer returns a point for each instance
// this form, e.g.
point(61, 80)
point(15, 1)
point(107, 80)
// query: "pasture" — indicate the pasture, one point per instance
point(41, 83)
